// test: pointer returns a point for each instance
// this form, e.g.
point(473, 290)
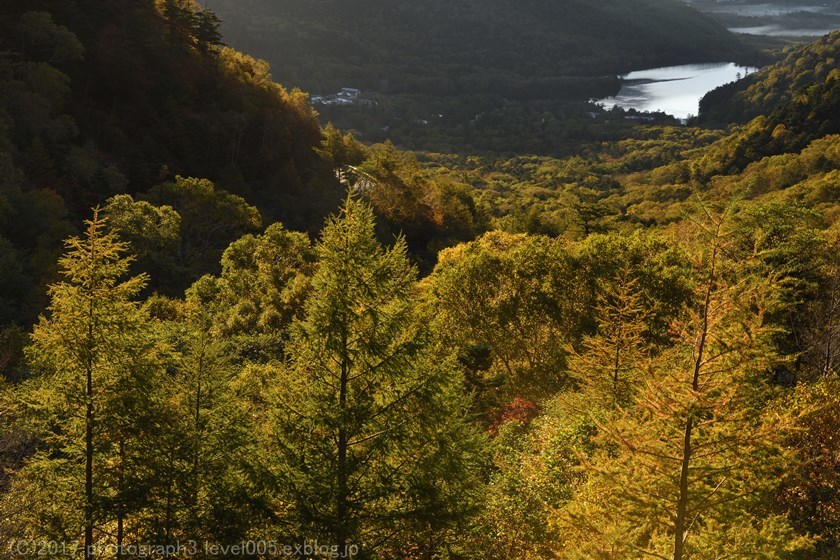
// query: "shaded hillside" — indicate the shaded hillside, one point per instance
point(468, 46)
point(102, 98)
point(116, 96)
point(762, 92)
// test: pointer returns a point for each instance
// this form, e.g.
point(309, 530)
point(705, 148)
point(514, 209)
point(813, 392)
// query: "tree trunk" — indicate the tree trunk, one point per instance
point(682, 501)
point(89, 417)
point(120, 503)
point(341, 506)
point(198, 435)
point(89, 466)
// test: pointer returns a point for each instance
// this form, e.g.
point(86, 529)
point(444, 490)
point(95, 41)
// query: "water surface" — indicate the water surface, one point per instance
point(775, 19)
point(778, 30)
point(675, 90)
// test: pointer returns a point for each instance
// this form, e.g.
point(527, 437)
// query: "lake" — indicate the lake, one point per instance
point(675, 90)
point(775, 19)
point(778, 30)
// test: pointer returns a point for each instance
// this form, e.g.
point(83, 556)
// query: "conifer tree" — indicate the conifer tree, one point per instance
point(369, 442)
point(608, 366)
point(195, 492)
point(822, 335)
point(687, 471)
point(97, 368)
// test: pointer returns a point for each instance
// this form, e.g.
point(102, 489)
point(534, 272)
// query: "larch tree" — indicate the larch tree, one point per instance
point(822, 337)
point(369, 443)
point(94, 398)
point(608, 366)
point(196, 495)
point(686, 471)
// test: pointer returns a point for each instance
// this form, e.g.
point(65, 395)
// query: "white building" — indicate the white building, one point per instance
point(351, 93)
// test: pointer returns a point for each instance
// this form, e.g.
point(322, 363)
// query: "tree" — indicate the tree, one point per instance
point(518, 300)
point(607, 368)
point(687, 472)
point(822, 334)
point(340, 151)
point(211, 219)
point(206, 29)
point(262, 287)
point(810, 497)
point(430, 212)
point(98, 368)
point(153, 232)
point(205, 439)
point(369, 442)
point(536, 468)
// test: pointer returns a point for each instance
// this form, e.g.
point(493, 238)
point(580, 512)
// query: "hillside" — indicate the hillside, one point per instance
point(469, 46)
point(100, 99)
point(760, 93)
point(113, 97)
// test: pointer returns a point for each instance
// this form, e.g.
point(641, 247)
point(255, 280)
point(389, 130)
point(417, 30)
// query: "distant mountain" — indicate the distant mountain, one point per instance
point(468, 46)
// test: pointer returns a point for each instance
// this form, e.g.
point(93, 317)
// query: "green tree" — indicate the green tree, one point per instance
point(153, 233)
point(211, 219)
point(369, 440)
point(264, 282)
point(340, 151)
point(206, 29)
point(197, 492)
point(513, 302)
point(810, 497)
point(822, 334)
point(536, 469)
point(432, 212)
point(93, 398)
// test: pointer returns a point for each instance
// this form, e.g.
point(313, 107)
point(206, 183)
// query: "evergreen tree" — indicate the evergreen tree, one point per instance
point(197, 495)
point(822, 333)
point(369, 440)
point(94, 399)
point(206, 29)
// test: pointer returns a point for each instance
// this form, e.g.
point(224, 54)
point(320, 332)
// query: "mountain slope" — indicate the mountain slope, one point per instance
point(102, 98)
point(466, 46)
point(115, 96)
point(760, 93)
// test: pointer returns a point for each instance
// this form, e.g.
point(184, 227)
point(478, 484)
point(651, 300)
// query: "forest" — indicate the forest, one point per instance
point(477, 76)
point(467, 46)
point(229, 328)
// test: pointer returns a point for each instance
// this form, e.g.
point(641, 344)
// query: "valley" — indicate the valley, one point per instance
point(436, 305)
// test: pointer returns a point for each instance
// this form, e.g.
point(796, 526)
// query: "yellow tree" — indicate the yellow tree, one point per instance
point(608, 366)
point(686, 470)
